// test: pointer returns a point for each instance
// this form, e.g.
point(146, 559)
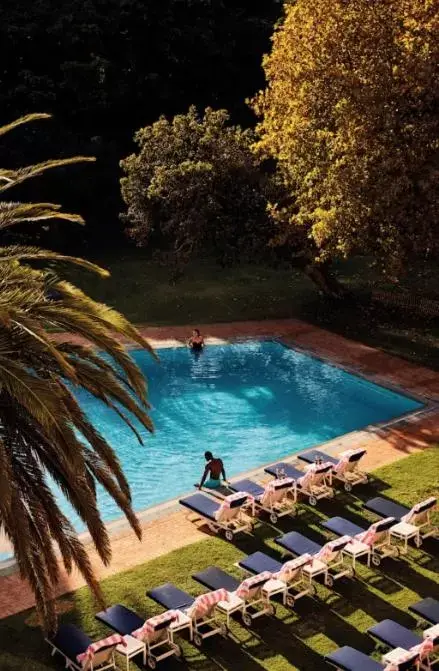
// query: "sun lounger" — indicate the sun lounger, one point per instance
point(120, 619)
point(427, 609)
point(328, 559)
point(350, 659)
point(277, 498)
point(247, 597)
point(315, 483)
point(288, 579)
point(230, 515)
point(393, 635)
point(412, 522)
point(376, 537)
point(196, 613)
point(80, 652)
point(284, 470)
point(155, 633)
point(344, 467)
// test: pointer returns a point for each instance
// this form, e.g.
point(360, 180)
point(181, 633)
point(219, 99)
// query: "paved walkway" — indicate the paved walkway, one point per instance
point(384, 446)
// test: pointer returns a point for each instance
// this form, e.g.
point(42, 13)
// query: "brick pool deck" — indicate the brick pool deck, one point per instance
point(384, 445)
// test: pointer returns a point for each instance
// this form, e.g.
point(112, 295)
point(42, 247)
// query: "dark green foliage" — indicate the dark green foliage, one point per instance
point(195, 188)
point(104, 69)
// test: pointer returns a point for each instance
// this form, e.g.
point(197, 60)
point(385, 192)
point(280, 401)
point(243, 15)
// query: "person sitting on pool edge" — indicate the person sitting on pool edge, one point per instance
point(214, 469)
point(196, 341)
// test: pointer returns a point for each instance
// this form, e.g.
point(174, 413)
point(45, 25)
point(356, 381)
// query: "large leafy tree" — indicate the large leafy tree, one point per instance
point(195, 187)
point(43, 431)
point(350, 113)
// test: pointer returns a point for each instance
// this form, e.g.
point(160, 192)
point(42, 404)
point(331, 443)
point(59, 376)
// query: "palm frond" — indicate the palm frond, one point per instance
point(10, 178)
point(44, 433)
point(23, 120)
point(12, 214)
point(22, 253)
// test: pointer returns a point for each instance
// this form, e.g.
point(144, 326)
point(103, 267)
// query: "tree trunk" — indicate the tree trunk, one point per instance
point(323, 278)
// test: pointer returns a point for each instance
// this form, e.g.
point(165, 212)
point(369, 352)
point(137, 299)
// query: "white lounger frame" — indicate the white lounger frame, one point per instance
point(291, 591)
point(161, 641)
point(352, 475)
point(241, 522)
point(286, 506)
point(321, 490)
point(102, 660)
point(255, 605)
point(197, 625)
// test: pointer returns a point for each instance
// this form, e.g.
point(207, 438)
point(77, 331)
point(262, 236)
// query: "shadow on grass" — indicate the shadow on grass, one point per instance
point(412, 579)
point(357, 597)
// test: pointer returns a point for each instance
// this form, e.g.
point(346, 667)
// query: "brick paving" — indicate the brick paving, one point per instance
point(384, 445)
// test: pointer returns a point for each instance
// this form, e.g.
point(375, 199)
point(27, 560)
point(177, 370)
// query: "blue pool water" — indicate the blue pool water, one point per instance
point(250, 403)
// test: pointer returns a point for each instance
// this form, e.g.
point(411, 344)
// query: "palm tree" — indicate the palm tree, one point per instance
point(43, 431)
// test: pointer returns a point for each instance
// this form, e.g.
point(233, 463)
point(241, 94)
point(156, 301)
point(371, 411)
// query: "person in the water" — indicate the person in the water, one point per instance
point(196, 341)
point(212, 473)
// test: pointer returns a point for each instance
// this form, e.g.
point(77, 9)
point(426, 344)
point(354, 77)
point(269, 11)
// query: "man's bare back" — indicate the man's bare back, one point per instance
point(212, 473)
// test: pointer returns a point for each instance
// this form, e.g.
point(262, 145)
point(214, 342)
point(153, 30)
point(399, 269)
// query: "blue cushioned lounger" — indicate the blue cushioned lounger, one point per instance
point(200, 503)
point(427, 609)
point(297, 544)
point(258, 562)
point(349, 659)
point(248, 486)
point(386, 508)
point(171, 597)
point(70, 642)
point(342, 527)
point(215, 578)
point(312, 456)
point(207, 508)
point(394, 635)
point(120, 619)
point(285, 469)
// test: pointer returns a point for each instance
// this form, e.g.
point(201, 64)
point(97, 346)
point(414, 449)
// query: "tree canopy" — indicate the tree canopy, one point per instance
point(196, 187)
point(350, 113)
point(105, 69)
point(43, 430)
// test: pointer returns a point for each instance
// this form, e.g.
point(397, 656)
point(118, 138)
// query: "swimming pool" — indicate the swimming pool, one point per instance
point(250, 403)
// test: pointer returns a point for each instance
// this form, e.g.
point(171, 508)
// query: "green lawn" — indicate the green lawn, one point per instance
point(293, 639)
point(208, 293)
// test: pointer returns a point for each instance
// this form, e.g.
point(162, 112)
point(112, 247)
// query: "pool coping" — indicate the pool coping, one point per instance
point(350, 440)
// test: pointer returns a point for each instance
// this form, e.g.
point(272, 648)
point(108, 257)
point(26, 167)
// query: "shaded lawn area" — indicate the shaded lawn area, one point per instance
point(291, 640)
point(207, 293)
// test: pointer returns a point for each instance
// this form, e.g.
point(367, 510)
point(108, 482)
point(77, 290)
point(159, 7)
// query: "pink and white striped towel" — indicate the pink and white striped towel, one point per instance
point(395, 665)
point(342, 463)
point(205, 603)
point(327, 550)
point(370, 536)
point(291, 567)
point(248, 585)
point(227, 503)
point(149, 626)
point(416, 508)
point(273, 486)
point(423, 649)
point(114, 639)
point(312, 474)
